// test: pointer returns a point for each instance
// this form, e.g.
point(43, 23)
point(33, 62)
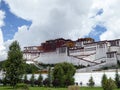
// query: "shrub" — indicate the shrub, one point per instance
point(104, 80)
point(109, 85)
point(91, 82)
point(25, 78)
point(32, 80)
point(21, 86)
point(117, 79)
point(73, 87)
point(40, 79)
point(5, 81)
point(46, 82)
point(63, 74)
point(56, 83)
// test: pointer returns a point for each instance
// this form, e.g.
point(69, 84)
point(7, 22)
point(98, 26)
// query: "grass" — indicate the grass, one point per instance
point(45, 88)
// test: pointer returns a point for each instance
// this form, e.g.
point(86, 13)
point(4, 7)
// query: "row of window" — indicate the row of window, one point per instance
point(62, 50)
point(114, 43)
point(110, 55)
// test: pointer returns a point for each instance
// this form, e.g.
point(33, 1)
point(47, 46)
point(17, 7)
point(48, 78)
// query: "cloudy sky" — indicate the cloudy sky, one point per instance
point(34, 21)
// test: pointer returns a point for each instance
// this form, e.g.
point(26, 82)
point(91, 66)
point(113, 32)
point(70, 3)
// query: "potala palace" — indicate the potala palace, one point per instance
point(84, 51)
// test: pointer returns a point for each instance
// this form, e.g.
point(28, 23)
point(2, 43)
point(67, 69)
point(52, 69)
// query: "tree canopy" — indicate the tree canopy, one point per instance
point(91, 82)
point(63, 74)
point(104, 80)
point(117, 79)
point(14, 65)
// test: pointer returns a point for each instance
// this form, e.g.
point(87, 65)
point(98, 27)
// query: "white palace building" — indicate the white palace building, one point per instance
point(84, 51)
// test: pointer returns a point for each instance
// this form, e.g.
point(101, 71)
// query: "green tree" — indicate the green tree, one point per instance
point(109, 85)
point(25, 78)
point(63, 74)
point(49, 76)
point(40, 78)
point(117, 79)
point(2, 65)
point(14, 65)
point(48, 81)
point(32, 80)
point(104, 80)
point(91, 82)
point(4, 81)
point(58, 75)
point(30, 68)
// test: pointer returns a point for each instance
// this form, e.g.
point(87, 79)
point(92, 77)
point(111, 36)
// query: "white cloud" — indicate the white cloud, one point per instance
point(52, 19)
point(110, 18)
point(3, 53)
point(2, 47)
point(64, 18)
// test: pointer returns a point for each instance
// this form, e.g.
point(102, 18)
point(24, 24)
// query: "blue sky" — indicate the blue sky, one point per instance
point(96, 32)
point(12, 22)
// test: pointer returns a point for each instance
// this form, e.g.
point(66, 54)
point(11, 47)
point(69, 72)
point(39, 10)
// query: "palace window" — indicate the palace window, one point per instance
point(62, 50)
point(111, 54)
point(114, 43)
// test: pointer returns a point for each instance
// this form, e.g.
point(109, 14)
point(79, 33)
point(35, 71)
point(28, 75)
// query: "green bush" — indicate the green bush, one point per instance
point(63, 74)
point(117, 79)
point(104, 80)
point(21, 86)
point(32, 80)
point(30, 68)
point(109, 85)
point(91, 82)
